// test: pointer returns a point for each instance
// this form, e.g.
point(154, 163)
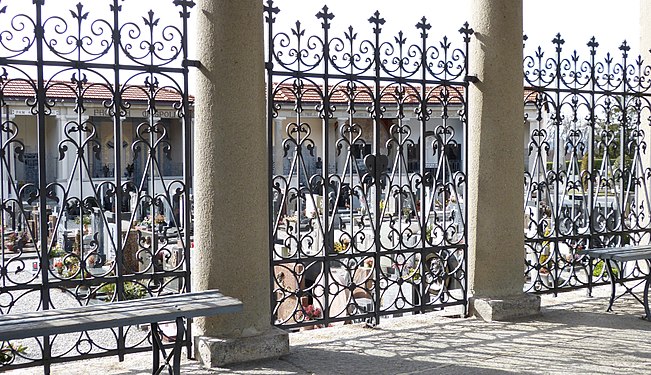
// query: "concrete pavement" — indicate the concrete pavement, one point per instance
point(573, 335)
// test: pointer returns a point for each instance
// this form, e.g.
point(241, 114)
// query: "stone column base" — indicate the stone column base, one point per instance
point(217, 352)
point(507, 308)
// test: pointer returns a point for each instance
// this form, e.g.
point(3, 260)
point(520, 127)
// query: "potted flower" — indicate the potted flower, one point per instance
point(160, 220)
point(310, 313)
point(146, 221)
point(85, 220)
point(11, 241)
point(341, 246)
point(58, 265)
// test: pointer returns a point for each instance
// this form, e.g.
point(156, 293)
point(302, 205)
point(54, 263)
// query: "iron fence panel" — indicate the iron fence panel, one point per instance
point(367, 152)
point(95, 114)
point(586, 167)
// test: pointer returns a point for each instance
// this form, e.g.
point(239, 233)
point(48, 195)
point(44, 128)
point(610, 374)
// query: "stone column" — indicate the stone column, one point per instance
point(231, 184)
point(496, 115)
point(645, 52)
point(645, 30)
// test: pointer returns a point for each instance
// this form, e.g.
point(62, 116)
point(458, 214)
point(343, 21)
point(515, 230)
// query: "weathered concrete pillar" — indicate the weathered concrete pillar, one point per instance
point(645, 52)
point(230, 184)
point(645, 29)
point(496, 234)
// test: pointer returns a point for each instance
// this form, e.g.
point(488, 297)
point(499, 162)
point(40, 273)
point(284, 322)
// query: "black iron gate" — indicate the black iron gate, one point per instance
point(586, 165)
point(94, 102)
point(368, 145)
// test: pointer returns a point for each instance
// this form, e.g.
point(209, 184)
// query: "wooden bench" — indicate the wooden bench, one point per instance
point(623, 254)
point(151, 311)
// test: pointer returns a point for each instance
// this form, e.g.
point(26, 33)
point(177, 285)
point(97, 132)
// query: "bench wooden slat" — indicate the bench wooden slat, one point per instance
point(631, 257)
point(111, 315)
point(150, 302)
point(601, 250)
point(622, 254)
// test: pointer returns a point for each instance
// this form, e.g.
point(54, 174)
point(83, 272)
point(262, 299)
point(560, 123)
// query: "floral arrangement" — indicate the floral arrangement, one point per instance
point(311, 312)
point(291, 219)
point(159, 219)
point(85, 219)
point(58, 265)
point(341, 246)
point(57, 251)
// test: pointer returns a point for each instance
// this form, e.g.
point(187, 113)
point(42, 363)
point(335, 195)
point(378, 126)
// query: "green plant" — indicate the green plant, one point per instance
point(131, 291)
point(57, 251)
point(84, 220)
point(428, 233)
point(599, 269)
point(412, 274)
point(70, 268)
point(8, 353)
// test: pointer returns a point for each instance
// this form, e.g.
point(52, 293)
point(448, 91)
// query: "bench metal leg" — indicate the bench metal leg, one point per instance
point(172, 362)
point(180, 329)
point(647, 311)
point(613, 284)
point(155, 348)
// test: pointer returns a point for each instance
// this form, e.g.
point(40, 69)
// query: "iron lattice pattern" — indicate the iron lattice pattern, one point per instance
point(368, 149)
point(94, 165)
point(587, 165)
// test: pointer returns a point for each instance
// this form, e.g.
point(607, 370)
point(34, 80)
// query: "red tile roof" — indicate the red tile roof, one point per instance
point(22, 88)
point(286, 93)
point(312, 94)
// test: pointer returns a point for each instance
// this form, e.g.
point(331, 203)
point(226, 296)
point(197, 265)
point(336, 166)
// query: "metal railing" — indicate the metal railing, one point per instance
point(357, 236)
point(67, 237)
point(586, 167)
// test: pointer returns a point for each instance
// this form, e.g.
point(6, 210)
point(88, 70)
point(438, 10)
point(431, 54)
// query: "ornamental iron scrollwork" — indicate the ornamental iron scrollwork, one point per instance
point(368, 144)
point(586, 167)
point(94, 165)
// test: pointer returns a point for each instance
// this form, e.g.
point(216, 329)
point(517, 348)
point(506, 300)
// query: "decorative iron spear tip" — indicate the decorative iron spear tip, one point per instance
point(377, 20)
point(325, 14)
point(424, 27)
point(466, 31)
point(625, 48)
point(558, 41)
point(187, 3)
point(593, 44)
point(270, 8)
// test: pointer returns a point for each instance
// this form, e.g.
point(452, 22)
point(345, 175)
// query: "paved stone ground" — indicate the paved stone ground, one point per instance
point(574, 335)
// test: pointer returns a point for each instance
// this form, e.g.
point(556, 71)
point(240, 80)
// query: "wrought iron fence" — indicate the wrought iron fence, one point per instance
point(587, 165)
point(367, 151)
point(93, 101)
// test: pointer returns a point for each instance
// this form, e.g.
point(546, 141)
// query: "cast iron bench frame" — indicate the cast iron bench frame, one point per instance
point(152, 311)
point(624, 254)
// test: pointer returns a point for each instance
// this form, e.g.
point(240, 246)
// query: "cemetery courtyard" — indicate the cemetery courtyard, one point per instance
point(573, 335)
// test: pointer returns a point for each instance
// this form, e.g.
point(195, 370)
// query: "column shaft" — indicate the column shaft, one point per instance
point(645, 52)
point(496, 115)
point(230, 180)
